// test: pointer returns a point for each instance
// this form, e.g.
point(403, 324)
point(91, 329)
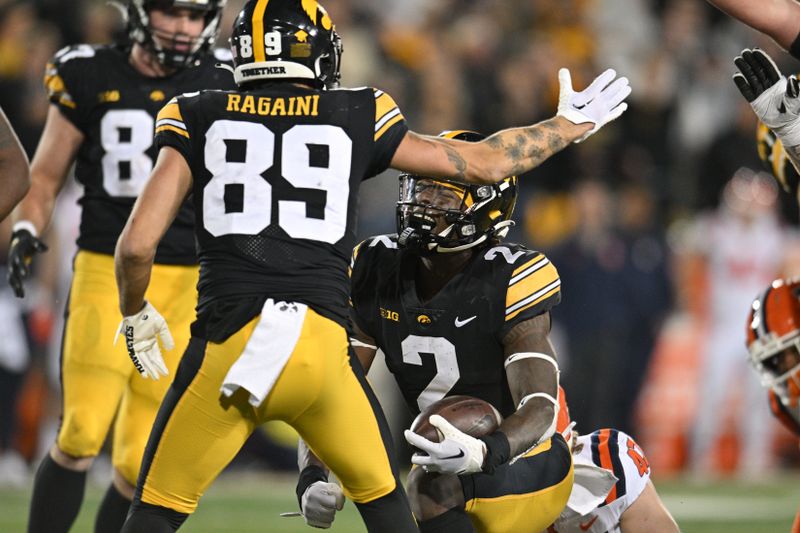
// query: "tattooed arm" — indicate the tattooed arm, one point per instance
point(14, 178)
point(518, 150)
point(506, 153)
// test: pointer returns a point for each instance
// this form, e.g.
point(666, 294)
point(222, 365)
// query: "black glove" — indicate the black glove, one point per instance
point(757, 73)
point(23, 247)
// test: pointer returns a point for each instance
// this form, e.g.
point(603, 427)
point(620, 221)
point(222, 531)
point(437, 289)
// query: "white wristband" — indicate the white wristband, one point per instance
point(25, 225)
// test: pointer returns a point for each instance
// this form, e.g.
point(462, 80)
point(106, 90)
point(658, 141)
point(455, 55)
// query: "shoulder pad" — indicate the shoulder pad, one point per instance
point(73, 52)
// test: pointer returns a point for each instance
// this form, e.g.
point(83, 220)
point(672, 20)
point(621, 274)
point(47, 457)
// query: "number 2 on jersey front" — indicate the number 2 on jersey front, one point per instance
point(444, 356)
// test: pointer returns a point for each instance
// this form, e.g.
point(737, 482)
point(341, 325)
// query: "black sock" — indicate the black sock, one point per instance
point(455, 520)
point(147, 518)
point(57, 497)
point(388, 513)
point(112, 512)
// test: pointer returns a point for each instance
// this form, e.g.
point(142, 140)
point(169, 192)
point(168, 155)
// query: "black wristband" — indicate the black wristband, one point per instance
point(308, 476)
point(795, 48)
point(498, 451)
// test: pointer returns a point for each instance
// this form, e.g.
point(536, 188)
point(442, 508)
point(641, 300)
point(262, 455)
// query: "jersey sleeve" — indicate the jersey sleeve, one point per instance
point(618, 453)
point(67, 80)
point(171, 129)
point(358, 289)
point(533, 288)
point(390, 128)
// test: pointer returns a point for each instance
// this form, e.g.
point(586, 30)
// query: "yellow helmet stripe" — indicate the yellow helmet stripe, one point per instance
point(310, 7)
point(454, 133)
point(258, 30)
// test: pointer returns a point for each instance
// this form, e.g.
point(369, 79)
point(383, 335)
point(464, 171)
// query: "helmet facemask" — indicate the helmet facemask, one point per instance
point(174, 50)
point(777, 362)
point(444, 216)
point(773, 339)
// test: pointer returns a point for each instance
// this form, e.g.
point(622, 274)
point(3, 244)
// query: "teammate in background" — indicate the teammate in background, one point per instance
point(273, 169)
point(773, 342)
point(104, 102)
point(14, 179)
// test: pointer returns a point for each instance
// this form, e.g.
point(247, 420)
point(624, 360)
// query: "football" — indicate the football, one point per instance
point(473, 416)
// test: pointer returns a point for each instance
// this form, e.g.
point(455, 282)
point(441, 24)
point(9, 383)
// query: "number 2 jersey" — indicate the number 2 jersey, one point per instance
point(451, 344)
point(114, 106)
point(276, 173)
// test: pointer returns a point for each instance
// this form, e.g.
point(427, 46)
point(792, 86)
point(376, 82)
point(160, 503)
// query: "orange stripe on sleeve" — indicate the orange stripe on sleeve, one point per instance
point(605, 461)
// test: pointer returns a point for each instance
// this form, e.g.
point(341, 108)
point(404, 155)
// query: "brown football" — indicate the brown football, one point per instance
point(473, 416)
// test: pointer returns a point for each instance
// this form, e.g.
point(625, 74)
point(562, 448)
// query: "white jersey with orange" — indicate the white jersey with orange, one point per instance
point(595, 456)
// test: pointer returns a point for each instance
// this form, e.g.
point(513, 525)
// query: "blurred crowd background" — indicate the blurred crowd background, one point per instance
point(663, 226)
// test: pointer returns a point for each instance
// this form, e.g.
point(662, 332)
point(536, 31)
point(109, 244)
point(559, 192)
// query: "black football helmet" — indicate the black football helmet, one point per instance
point(140, 31)
point(483, 215)
point(286, 40)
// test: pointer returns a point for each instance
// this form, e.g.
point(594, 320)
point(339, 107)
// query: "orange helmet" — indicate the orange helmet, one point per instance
point(773, 338)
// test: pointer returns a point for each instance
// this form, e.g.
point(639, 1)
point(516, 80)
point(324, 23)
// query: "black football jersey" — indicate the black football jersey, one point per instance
point(276, 173)
point(115, 108)
point(451, 344)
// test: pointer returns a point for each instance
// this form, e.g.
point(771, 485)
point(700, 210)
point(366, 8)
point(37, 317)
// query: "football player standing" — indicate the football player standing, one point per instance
point(273, 169)
point(104, 100)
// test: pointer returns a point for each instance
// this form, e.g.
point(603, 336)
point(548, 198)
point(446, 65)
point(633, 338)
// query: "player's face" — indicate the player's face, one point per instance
point(176, 29)
point(779, 365)
point(441, 196)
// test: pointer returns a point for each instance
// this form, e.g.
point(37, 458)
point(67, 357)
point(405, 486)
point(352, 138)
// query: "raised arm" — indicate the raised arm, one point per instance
point(14, 177)
point(517, 150)
point(780, 19)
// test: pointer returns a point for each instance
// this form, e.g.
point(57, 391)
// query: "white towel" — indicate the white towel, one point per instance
point(592, 485)
point(267, 351)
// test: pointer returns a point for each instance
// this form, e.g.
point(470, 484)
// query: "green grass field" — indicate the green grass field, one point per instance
point(245, 503)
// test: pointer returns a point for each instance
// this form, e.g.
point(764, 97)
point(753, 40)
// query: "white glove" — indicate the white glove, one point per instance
point(141, 332)
point(458, 453)
point(320, 502)
point(599, 103)
point(774, 99)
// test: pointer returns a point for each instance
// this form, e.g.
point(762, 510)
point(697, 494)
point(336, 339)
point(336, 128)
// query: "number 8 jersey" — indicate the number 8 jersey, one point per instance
point(275, 174)
point(114, 107)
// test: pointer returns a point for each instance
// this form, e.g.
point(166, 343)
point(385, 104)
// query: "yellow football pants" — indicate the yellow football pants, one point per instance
point(319, 393)
point(97, 377)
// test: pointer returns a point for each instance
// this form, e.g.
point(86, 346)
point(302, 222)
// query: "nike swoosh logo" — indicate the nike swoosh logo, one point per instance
point(587, 525)
point(460, 323)
point(461, 454)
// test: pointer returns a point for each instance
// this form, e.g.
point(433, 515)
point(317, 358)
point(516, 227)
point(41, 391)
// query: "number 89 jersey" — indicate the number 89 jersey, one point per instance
point(451, 344)
point(275, 174)
point(114, 107)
